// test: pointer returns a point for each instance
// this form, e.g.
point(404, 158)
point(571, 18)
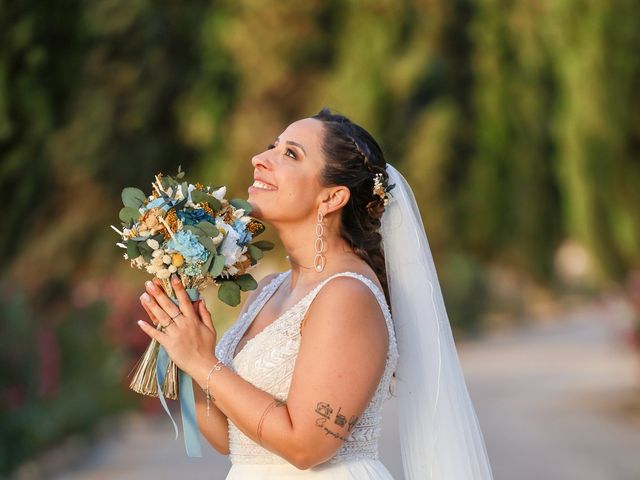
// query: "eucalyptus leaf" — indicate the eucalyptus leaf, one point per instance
point(229, 293)
point(217, 266)
point(246, 282)
point(255, 252)
point(193, 229)
point(208, 244)
point(206, 265)
point(132, 250)
point(263, 245)
point(128, 214)
point(240, 203)
point(198, 196)
point(133, 197)
point(208, 228)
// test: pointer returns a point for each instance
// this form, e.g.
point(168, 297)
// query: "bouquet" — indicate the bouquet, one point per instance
point(193, 231)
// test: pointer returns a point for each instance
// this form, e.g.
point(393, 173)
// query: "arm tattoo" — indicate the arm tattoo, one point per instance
point(324, 411)
point(276, 402)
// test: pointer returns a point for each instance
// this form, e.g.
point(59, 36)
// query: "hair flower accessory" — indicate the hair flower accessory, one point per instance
point(381, 188)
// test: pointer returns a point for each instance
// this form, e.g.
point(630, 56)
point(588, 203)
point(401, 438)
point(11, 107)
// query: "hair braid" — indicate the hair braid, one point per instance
point(353, 157)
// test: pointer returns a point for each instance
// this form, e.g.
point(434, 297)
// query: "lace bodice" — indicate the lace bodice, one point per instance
point(267, 361)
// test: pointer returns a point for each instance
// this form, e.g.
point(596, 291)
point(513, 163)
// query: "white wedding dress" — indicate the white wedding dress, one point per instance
point(267, 361)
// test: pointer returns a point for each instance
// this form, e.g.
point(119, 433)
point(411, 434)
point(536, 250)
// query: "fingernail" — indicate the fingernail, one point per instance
point(140, 322)
point(146, 297)
point(203, 301)
point(174, 278)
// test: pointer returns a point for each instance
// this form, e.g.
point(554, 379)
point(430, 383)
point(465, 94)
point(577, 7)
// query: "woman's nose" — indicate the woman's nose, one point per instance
point(260, 159)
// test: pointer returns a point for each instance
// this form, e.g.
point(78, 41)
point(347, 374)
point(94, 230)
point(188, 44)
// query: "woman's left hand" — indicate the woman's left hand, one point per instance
point(189, 337)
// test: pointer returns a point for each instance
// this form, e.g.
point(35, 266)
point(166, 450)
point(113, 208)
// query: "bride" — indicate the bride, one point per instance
point(296, 387)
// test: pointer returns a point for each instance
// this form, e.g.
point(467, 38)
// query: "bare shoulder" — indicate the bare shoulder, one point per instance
point(348, 306)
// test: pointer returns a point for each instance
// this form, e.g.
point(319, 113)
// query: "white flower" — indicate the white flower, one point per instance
point(172, 268)
point(239, 213)
point(153, 243)
point(219, 193)
point(157, 261)
point(126, 257)
point(218, 238)
point(166, 259)
point(163, 274)
point(157, 253)
point(229, 247)
point(232, 270)
point(151, 269)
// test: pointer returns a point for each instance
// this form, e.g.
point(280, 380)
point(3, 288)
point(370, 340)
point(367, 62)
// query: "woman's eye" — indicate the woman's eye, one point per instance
point(294, 153)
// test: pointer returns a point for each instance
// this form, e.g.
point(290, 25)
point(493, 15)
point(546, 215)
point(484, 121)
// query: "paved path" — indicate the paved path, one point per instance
point(554, 401)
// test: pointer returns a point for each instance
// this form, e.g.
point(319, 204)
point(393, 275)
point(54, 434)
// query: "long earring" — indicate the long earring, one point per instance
point(319, 260)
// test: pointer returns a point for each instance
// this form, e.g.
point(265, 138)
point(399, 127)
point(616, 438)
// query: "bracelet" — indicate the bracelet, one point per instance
point(217, 366)
point(276, 402)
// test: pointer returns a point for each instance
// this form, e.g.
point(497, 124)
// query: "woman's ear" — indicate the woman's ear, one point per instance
point(335, 199)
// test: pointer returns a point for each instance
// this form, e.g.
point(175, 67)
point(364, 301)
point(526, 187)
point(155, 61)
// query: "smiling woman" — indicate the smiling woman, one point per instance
point(299, 381)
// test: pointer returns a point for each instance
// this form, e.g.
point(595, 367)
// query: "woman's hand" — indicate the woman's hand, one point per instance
point(189, 337)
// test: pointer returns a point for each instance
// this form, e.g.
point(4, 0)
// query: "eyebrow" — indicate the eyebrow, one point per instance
point(296, 144)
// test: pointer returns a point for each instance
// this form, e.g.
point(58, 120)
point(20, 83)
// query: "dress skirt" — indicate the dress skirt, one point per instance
point(363, 469)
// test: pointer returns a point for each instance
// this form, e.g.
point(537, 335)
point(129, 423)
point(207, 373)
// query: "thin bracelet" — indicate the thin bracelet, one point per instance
point(275, 402)
point(206, 391)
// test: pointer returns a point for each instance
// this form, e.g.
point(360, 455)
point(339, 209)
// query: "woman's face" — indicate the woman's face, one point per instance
point(290, 167)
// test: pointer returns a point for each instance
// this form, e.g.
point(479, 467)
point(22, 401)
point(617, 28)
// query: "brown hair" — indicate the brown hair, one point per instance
point(352, 159)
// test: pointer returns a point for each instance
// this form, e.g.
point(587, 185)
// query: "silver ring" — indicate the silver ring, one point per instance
point(164, 327)
point(176, 315)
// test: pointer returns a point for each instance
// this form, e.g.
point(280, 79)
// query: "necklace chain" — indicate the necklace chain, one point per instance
point(296, 263)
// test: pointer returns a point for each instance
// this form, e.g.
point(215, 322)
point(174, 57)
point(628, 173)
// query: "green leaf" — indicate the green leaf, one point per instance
point(198, 196)
point(240, 203)
point(208, 228)
point(229, 293)
point(208, 244)
point(263, 245)
point(193, 229)
point(132, 250)
point(205, 266)
point(217, 266)
point(128, 214)
point(133, 197)
point(246, 282)
point(255, 252)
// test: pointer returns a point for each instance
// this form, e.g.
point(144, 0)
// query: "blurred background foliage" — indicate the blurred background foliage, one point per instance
point(517, 124)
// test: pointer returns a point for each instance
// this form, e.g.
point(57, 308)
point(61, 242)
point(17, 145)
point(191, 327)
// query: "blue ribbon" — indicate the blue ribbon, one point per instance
point(185, 394)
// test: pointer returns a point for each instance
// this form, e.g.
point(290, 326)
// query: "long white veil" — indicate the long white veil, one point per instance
point(440, 437)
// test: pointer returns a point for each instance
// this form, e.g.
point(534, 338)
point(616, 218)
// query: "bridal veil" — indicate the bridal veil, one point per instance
point(440, 437)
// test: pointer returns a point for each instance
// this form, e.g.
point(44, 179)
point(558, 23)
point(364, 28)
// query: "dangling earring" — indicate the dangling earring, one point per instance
point(319, 259)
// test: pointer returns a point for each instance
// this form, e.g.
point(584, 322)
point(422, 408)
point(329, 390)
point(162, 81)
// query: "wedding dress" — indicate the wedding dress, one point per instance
point(267, 361)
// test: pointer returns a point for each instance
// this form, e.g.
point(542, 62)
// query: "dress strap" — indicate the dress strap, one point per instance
point(374, 288)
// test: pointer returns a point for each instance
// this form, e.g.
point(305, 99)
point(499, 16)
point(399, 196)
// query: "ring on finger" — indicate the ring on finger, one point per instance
point(176, 315)
point(164, 327)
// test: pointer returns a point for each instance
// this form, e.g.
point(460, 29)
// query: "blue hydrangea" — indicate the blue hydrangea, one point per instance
point(244, 235)
point(186, 243)
point(194, 216)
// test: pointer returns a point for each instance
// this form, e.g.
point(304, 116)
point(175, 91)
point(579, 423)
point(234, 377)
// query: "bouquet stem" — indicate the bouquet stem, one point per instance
point(144, 379)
